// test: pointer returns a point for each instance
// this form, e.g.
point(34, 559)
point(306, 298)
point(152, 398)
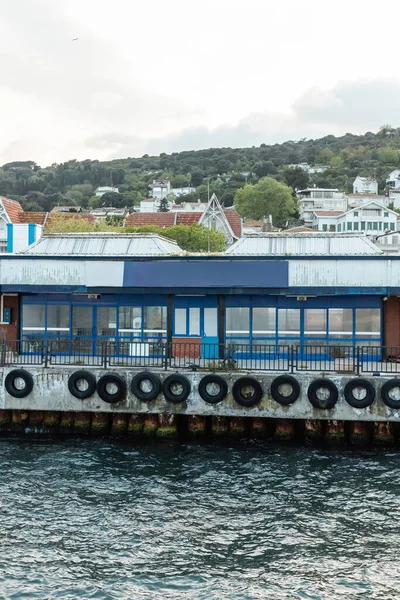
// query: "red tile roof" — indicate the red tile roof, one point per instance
point(161, 219)
point(12, 208)
point(234, 220)
point(188, 218)
point(32, 217)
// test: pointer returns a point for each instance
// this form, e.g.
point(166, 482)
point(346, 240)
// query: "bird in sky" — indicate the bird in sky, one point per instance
point(75, 39)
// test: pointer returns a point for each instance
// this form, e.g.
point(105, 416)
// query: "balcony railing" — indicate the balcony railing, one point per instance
point(198, 356)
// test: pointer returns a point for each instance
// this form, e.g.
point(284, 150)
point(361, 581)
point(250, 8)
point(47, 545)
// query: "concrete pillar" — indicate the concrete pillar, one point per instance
point(166, 426)
point(5, 420)
point(150, 425)
point(196, 425)
point(67, 422)
point(383, 434)
point(82, 423)
point(135, 425)
point(258, 428)
point(100, 424)
point(51, 421)
point(19, 420)
point(237, 427)
point(119, 424)
point(360, 433)
point(35, 420)
point(335, 433)
point(219, 426)
point(314, 431)
point(284, 430)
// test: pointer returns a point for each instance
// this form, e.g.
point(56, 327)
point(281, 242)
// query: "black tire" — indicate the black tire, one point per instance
point(174, 380)
point(241, 398)
point(385, 391)
point(213, 398)
point(91, 384)
point(282, 380)
point(359, 402)
point(137, 390)
point(10, 383)
point(323, 403)
point(119, 395)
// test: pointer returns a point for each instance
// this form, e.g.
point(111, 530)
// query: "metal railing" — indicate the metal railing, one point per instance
point(199, 356)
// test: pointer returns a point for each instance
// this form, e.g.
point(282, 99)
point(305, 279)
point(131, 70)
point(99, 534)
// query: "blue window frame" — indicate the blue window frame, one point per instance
point(76, 321)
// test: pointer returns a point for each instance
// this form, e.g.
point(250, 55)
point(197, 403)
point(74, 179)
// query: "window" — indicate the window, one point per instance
point(194, 321)
point(264, 321)
point(339, 227)
point(106, 320)
point(210, 322)
point(288, 321)
point(315, 321)
point(155, 321)
point(349, 226)
point(332, 228)
point(375, 226)
point(369, 226)
point(368, 322)
point(130, 321)
point(356, 213)
point(340, 322)
point(33, 318)
point(58, 319)
point(238, 321)
point(180, 321)
point(362, 225)
point(356, 226)
point(386, 215)
point(392, 226)
point(324, 227)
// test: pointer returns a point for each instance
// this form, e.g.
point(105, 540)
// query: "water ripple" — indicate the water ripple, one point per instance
point(94, 519)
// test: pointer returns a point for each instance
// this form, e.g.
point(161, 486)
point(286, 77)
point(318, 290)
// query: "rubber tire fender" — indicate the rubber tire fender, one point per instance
point(281, 380)
point(242, 400)
point(359, 382)
point(116, 380)
point(312, 393)
point(10, 379)
point(169, 381)
point(386, 399)
point(75, 391)
point(210, 398)
point(139, 393)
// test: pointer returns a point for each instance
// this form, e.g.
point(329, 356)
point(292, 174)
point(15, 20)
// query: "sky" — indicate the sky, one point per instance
point(151, 77)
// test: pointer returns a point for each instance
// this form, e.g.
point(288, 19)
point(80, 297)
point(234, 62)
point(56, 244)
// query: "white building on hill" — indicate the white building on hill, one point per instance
point(372, 219)
point(365, 185)
point(393, 180)
point(312, 199)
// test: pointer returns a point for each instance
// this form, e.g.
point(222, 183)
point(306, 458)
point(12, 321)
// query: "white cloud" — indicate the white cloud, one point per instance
point(153, 77)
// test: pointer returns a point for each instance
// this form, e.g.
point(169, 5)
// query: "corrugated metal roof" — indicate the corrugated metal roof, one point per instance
point(302, 244)
point(103, 244)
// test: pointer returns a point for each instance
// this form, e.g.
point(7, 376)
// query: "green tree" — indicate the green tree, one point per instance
point(324, 156)
point(297, 178)
point(197, 178)
point(112, 199)
point(267, 197)
point(196, 238)
point(388, 155)
point(163, 207)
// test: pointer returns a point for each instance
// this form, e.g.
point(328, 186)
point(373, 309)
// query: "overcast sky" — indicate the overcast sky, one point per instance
point(187, 74)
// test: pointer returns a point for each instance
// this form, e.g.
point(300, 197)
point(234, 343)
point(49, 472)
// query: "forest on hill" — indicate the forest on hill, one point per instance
point(220, 170)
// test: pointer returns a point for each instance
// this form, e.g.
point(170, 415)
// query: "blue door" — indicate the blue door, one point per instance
point(196, 320)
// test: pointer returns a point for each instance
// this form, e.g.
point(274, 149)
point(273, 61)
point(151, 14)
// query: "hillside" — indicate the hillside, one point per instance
point(225, 169)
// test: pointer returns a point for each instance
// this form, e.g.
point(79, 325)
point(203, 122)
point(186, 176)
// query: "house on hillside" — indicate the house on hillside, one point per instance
point(393, 180)
point(18, 229)
point(365, 185)
point(366, 197)
point(109, 212)
point(160, 189)
point(225, 220)
point(325, 199)
point(105, 189)
point(372, 219)
point(152, 205)
point(183, 191)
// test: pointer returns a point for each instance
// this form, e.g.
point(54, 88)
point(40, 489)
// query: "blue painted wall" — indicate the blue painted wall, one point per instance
point(246, 274)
